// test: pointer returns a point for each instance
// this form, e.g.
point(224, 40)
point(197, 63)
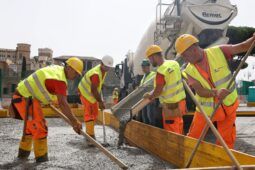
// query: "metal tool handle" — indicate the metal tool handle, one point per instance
point(104, 131)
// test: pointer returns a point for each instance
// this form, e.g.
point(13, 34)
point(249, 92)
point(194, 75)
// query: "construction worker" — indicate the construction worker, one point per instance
point(90, 88)
point(148, 113)
point(148, 74)
point(115, 95)
point(44, 86)
point(209, 74)
point(169, 88)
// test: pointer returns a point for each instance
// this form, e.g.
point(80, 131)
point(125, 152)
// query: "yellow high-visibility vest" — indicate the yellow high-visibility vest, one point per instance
point(221, 76)
point(34, 85)
point(173, 90)
point(147, 77)
point(85, 83)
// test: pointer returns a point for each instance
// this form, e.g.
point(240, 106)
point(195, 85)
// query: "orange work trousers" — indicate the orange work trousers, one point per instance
point(225, 123)
point(36, 124)
point(90, 109)
point(175, 124)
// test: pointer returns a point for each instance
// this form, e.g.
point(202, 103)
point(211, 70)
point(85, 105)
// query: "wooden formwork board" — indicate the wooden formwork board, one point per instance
point(251, 104)
point(175, 148)
point(245, 167)
point(48, 112)
point(3, 113)
point(242, 111)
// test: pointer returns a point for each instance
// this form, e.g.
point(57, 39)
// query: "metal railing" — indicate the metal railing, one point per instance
point(167, 25)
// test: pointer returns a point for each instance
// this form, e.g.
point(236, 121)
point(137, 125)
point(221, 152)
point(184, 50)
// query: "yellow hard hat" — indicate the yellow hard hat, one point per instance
point(76, 64)
point(152, 50)
point(184, 42)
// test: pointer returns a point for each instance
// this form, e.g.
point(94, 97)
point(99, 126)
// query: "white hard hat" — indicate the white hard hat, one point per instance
point(107, 61)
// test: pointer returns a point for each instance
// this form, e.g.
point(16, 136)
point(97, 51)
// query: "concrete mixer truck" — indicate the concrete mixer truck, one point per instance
point(206, 19)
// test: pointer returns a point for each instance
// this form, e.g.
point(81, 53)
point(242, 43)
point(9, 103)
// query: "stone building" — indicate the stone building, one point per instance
point(15, 56)
point(11, 69)
point(44, 58)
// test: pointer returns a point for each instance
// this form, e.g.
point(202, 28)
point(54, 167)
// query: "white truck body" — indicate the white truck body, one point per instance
point(208, 20)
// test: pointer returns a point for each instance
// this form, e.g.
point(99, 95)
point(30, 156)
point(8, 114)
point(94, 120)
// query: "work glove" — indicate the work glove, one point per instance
point(146, 95)
point(77, 127)
point(214, 92)
point(223, 93)
point(101, 106)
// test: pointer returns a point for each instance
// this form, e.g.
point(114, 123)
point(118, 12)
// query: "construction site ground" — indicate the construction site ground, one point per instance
point(68, 150)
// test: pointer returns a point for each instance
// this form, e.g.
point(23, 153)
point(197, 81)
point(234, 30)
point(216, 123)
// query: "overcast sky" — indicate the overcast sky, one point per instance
point(86, 27)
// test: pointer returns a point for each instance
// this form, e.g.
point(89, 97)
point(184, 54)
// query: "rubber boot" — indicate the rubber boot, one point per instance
point(41, 150)
point(90, 128)
point(90, 131)
point(25, 147)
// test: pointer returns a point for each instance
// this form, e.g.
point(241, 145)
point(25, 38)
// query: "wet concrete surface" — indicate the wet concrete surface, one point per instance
point(245, 135)
point(245, 140)
point(70, 151)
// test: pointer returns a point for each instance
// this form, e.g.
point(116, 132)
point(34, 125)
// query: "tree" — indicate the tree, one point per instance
point(24, 68)
point(239, 34)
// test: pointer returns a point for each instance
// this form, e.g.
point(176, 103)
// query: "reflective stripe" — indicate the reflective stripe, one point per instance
point(86, 84)
point(85, 89)
point(87, 81)
point(39, 85)
point(173, 94)
point(207, 104)
point(26, 83)
point(149, 79)
point(232, 88)
point(143, 79)
point(147, 83)
point(211, 104)
point(172, 85)
point(224, 80)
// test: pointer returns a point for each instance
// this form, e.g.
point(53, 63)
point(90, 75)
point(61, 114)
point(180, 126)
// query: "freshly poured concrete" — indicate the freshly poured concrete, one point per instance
point(68, 150)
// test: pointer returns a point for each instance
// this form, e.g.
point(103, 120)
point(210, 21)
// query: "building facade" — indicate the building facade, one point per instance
point(11, 69)
point(44, 58)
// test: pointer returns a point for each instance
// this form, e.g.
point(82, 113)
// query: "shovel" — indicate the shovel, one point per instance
point(92, 140)
point(105, 144)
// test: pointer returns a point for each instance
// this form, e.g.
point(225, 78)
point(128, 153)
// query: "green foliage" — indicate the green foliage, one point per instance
point(239, 34)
